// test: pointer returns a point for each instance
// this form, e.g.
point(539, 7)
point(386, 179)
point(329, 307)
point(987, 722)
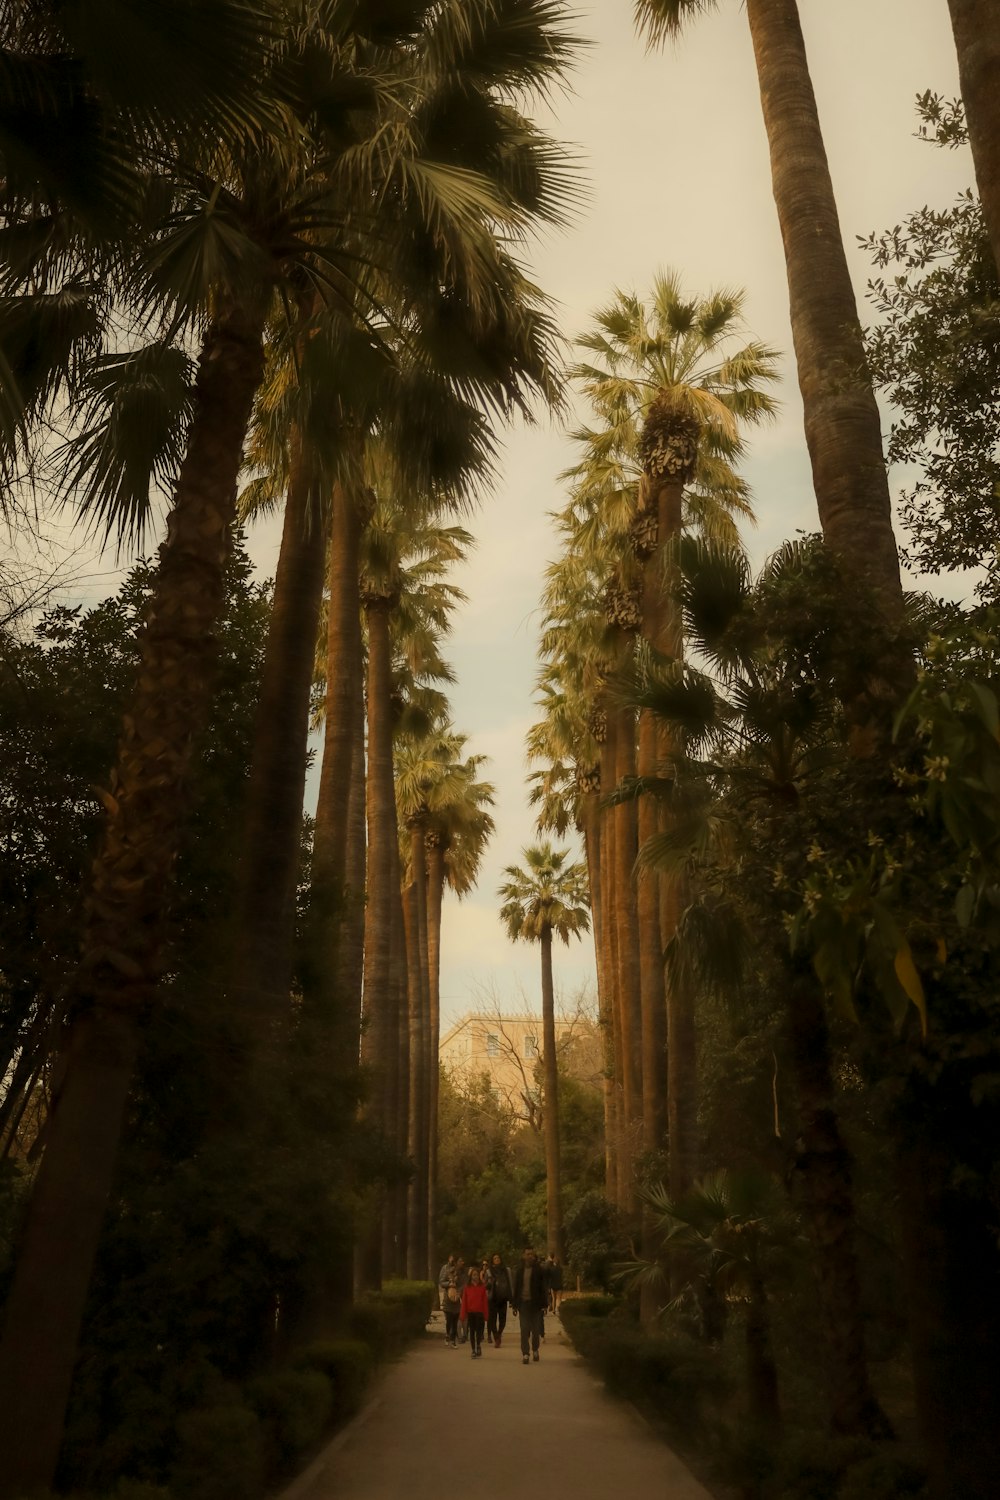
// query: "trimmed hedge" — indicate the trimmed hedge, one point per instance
point(389, 1319)
point(347, 1365)
point(241, 1441)
point(294, 1407)
point(675, 1378)
point(220, 1454)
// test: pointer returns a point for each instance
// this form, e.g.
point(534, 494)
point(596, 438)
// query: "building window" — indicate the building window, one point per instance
point(492, 1046)
point(531, 1047)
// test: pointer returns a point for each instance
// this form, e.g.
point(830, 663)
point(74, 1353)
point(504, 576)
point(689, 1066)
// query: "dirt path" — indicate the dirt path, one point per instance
point(443, 1426)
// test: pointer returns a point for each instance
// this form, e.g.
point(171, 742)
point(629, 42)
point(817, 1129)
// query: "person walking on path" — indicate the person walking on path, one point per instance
point(500, 1289)
point(529, 1303)
point(445, 1275)
point(474, 1311)
point(461, 1278)
point(452, 1307)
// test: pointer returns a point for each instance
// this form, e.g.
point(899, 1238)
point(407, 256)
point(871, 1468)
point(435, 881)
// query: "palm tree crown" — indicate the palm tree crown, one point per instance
point(545, 896)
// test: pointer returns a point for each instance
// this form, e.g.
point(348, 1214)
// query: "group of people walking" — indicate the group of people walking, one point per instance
point(475, 1299)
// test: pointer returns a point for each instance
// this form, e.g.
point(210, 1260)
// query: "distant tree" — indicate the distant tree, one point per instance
point(544, 896)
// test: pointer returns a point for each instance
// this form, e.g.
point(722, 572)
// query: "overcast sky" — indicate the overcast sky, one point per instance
point(675, 155)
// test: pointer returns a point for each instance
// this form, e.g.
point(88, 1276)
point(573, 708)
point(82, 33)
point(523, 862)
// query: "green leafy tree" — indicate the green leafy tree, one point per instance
point(933, 352)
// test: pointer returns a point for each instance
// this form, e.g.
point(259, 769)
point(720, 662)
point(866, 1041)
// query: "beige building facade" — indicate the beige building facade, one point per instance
point(506, 1048)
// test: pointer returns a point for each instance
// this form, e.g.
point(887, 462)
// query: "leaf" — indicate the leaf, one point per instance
point(986, 705)
point(965, 905)
point(906, 973)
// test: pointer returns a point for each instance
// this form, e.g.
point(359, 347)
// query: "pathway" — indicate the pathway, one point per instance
point(443, 1426)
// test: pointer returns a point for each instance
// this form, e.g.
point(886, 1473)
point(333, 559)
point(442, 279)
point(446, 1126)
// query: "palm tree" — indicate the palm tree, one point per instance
point(977, 41)
point(675, 386)
point(843, 431)
point(545, 896)
point(445, 806)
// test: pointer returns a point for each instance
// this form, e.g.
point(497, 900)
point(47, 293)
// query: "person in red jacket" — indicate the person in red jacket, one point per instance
point(475, 1310)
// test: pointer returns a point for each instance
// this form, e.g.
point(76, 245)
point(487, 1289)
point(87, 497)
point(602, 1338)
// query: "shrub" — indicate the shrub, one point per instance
point(294, 1407)
point(376, 1324)
point(347, 1365)
point(219, 1455)
point(415, 1302)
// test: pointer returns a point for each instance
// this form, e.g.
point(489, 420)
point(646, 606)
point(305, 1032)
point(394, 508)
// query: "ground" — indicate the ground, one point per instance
point(441, 1425)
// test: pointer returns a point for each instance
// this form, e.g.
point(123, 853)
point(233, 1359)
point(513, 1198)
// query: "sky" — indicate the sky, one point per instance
point(672, 149)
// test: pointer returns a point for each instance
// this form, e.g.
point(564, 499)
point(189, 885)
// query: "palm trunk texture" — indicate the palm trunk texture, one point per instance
point(627, 930)
point(383, 876)
point(976, 25)
point(265, 935)
point(617, 1178)
point(124, 915)
point(553, 1195)
point(842, 426)
point(344, 667)
point(435, 900)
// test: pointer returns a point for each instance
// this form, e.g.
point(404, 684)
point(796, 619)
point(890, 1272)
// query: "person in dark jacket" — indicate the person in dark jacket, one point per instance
point(474, 1311)
point(528, 1303)
point(500, 1287)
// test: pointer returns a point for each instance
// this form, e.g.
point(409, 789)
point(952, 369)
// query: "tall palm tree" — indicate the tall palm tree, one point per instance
point(543, 896)
point(675, 384)
point(843, 430)
point(976, 27)
point(440, 789)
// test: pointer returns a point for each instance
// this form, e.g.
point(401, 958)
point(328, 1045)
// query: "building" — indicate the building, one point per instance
point(506, 1049)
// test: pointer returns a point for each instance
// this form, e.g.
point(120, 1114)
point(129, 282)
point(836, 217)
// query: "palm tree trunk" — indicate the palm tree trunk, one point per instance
point(383, 874)
point(265, 932)
point(825, 1190)
point(435, 897)
point(124, 914)
point(350, 951)
point(553, 1197)
point(976, 26)
point(627, 929)
point(842, 426)
point(416, 1223)
point(653, 999)
point(418, 868)
point(398, 1208)
point(618, 1174)
point(394, 1021)
point(344, 667)
point(591, 816)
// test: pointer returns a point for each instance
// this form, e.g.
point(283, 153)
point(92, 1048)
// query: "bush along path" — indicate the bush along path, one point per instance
point(242, 1441)
point(443, 1424)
